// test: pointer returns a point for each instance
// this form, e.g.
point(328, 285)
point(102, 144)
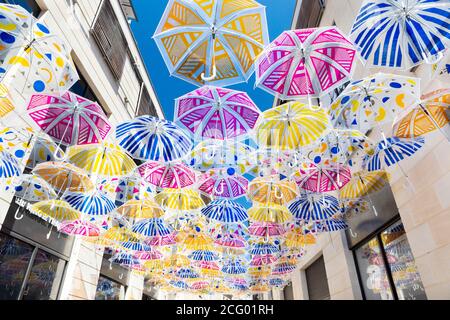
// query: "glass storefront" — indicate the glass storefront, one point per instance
point(108, 289)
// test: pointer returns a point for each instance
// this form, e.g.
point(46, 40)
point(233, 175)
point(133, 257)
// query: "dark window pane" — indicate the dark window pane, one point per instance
point(401, 263)
point(15, 256)
point(109, 290)
point(45, 277)
point(316, 280)
point(374, 279)
point(288, 292)
point(29, 5)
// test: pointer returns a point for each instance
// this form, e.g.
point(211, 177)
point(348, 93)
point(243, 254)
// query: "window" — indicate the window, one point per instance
point(316, 280)
point(145, 106)
point(29, 5)
point(288, 292)
point(110, 39)
point(108, 289)
point(310, 13)
point(386, 266)
point(28, 272)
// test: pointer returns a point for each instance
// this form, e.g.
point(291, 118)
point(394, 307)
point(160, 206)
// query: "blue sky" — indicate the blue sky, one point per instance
point(279, 17)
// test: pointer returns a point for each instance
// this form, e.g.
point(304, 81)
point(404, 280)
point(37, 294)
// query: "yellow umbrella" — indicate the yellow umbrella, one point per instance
point(269, 212)
point(295, 238)
point(54, 211)
point(197, 241)
point(114, 236)
point(64, 176)
point(104, 159)
point(291, 125)
point(259, 272)
point(363, 183)
point(6, 106)
point(270, 189)
point(177, 261)
point(141, 209)
point(180, 199)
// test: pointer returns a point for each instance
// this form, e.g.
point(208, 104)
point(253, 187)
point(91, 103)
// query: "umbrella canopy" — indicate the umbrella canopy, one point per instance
point(221, 39)
point(223, 184)
point(203, 255)
point(171, 175)
point(151, 228)
point(116, 235)
point(179, 199)
point(291, 126)
point(322, 178)
point(314, 207)
point(69, 118)
point(269, 212)
point(79, 228)
point(104, 159)
point(295, 238)
point(126, 188)
point(141, 209)
point(401, 34)
point(55, 211)
point(305, 63)
point(262, 260)
point(149, 138)
point(270, 189)
point(216, 113)
point(9, 167)
point(225, 211)
point(32, 188)
point(231, 240)
point(233, 267)
point(94, 203)
point(273, 161)
point(263, 248)
point(31, 56)
point(364, 183)
point(160, 241)
point(6, 105)
point(266, 229)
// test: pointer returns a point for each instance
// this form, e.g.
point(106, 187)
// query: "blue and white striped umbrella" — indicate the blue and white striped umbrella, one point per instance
point(187, 273)
point(315, 207)
point(152, 227)
point(334, 225)
point(9, 167)
point(125, 259)
point(203, 255)
point(149, 138)
point(233, 267)
point(135, 246)
point(179, 284)
point(392, 150)
point(94, 204)
point(264, 249)
point(226, 211)
point(277, 282)
point(401, 33)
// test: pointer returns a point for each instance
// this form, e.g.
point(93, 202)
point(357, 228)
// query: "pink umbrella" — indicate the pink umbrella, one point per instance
point(171, 175)
point(223, 185)
point(69, 118)
point(305, 63)
point(148, 255)
point(262, 260)
point(200, 285)
point(217, 113)
point(159, 241)
point(79, 228)
point(231, 241)
point(208, 265)
point(266, 229)
point(322, 178)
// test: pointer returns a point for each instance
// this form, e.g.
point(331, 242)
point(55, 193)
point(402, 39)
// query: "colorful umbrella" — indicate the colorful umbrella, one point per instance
point(364, 183)
point(126, 188)
point(223, 184)
point(219, 40)
point(283, 268)
point(32, 56)
point(6, 104)
point(134, 246)
point(200, 285)
point(141, 209)
point(401, 34)
point(93, 203)
point(196, 240)
point(104, 159)
point(305, 63)
point(273, 161)
point(79, 228)
point(179, 284)
point(179, 199)
point(149, 138)
point(187, 273)
point(216, 113)
point(125, 259)
point(9, 167)
point(392, 150)
point(266, 229)
point(271, 189)
point(225, 211)
point(314, 207)
point(269, 212)
point(160, 241)
point(322, 178)
point(263, 248)
point(32, 188)
point(54, 211)
point(234, 267)
point(262, 260)
point(151, 228)
point(290, 126)
point(295, 238)
point(171, 175)
point(116, 235)
point(148, 255)
point(203, 255)
point(231, 240)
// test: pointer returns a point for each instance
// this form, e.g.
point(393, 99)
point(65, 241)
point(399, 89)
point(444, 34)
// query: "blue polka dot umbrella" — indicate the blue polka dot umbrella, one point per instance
point(225, 211)
point(30, 188)
point(314, 207)
point(93, 203)
point(31, 55)
point(9, 167)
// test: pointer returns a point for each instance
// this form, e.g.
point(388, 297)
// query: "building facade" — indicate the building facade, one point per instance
point(407, 222)
point(112, 73)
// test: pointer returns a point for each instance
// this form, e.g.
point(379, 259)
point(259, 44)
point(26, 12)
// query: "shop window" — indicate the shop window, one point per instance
point(108, 289)
point(316, 280)
point(310, 13)
point(386, 267)
point(29, 5)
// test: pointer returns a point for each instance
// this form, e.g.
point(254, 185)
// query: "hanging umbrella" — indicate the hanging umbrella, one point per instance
point(134, 246)
point(259, 272)
point(283, 268)
point(79, 228)
point(200, 285)
point(187, 273)
point(9, 167)
point(392, 150)
point(54, 211)
point(160, 241)
point(314, 207)
point(126, 188)
point(115, 236)
point(295, 238)
point(208, 269)
point(351, 208)
point(374, 101)
point(290, 126)
point(212, 42)
point(177, 261)
point(322, 178)
point(93, 203)
point(148, 255)
point(125, 259)
point(6, 104)
point(104, 159)
point(263, 260)
point(233, 267)
point(216, 113)
point(269, 212)
point(31, 188)
point(64, 176)
point(69, 118)
point(225, 211)
point(363, 183)
point(277, 282)
point(31, 56)
point(329, 225)
point(266, 229)
point(263, 248)
point(231, 240)
point(220, 154)
point(273, 161)
point(401, 34)
point(179, 199)
point(271, 189)
point(222, 184)
point(171, 175)
point(179, 284)
point(305, 63)
point(151, 228)
point(196, 240)
point(203, 255)
point(141, 209)
point(149, 138)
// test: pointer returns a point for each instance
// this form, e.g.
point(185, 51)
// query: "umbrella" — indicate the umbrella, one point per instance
point(259, 272)
point(149, 138)
point(262, 260)
point(329, 225)
point(263, 248)
point(196, 240)
point(266, 229)
point(55, 211)
point(231, 240)
point(200, 285)
point(305, 63)
point(208, 268)
point(270, 189)
point(79, 228)
point(401, 34)
point(363, 183)
point(212, 42)
point(179, 199)
point(273, 161)
point(374, 101)
point(159, 241)
point(104, 159)
point(314, 207)
point(187, 273)
point(225, 211)
point(269, 212)
point(322, 178)
point(93, 203)
point(31, 55)
point(216, 113)
point(141, 209)
point(134, 246)
point(116, 235)
point(177, 261)
point(290, 126)
point(148, 255)
point(277, 282)
point(6, 104)
point(126, 188)
point(69, 118)
point(233, 267)
point(64, 176)
point(32, 188)
point(220, 154)
point(223, 184)
point(203, 255)
point(125, 259)
point(392, 150)
point(295, 238)
point(179, 284)
point(283, 268)
point(9, 167)
point(171, 175)
point(151, 228)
